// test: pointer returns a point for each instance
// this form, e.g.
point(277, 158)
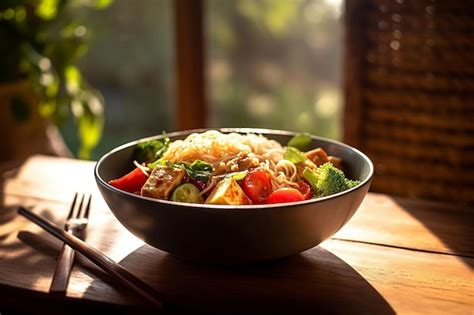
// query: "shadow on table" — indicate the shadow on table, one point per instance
point(314, 281)
point(46, 246)
point(46, 249)
point(318, 282)
point(453, 228)
point(30, 265)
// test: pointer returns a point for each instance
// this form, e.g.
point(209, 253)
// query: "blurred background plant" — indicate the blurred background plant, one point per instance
point(41, 41)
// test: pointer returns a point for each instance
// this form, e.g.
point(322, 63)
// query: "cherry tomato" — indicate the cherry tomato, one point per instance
point(257, 185)
point(131, 182)
point(282, 195)
point(305, 190)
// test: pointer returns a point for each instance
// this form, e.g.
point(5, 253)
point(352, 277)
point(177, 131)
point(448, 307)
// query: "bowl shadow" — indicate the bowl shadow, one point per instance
point(320, 282)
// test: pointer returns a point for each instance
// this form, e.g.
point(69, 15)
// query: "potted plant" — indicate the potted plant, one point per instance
point(40, 83)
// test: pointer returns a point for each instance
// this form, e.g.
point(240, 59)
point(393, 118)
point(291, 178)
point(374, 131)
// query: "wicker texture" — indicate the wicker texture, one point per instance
point(409, 76)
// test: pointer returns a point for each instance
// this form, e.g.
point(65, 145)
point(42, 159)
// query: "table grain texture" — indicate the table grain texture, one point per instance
point(394, 256)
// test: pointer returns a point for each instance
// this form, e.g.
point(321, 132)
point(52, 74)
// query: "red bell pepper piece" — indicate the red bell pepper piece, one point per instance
point(131, 182)
point(305, 190)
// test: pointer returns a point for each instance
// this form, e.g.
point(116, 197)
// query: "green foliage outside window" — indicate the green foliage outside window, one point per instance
point(276, 64)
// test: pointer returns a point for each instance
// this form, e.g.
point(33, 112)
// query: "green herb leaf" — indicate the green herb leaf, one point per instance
point(151, 150)
point(146, 151)
point(161, 162)
point(166, 143)
point(199, 170)
point(199, 165)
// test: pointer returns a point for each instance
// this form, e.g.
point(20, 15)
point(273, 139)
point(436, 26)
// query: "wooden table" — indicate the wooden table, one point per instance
point(394, 256)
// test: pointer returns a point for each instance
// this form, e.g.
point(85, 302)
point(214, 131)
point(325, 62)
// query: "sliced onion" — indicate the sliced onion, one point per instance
point(142, 168)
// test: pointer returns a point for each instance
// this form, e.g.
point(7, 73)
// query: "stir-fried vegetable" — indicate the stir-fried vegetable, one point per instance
point(238, 175)
point(146, 151)
point(300, 141)
point(318, 156)
point(285, 195)
point(199, 170)
point(187, 193)
point(131, 182)
point(294, 155)
point(305, 189)
point(233, 169)
point(151, 150)
point(327, 180)
point(159, 162)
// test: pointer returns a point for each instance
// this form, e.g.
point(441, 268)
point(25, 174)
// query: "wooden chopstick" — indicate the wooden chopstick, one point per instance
point(98, 258)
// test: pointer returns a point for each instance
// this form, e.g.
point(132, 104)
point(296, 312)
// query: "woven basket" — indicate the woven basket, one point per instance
point(409, 88)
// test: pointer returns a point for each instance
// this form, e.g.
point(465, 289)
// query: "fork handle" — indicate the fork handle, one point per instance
point(104, 262)
point(62, 271)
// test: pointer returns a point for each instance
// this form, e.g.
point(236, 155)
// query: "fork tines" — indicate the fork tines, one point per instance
point(79, 212)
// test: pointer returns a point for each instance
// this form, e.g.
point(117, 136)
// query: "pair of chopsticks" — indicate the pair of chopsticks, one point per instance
point(98, 258)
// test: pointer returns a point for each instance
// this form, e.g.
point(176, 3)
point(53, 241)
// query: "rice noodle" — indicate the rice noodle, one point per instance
point(226, 152)
point(287, 168)
point(213, 146)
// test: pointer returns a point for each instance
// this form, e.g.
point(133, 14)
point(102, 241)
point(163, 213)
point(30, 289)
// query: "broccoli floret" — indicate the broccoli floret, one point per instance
point(351, 183)
point(327, 180)
point(151, 150)
point(146, 151)
point(330, 180)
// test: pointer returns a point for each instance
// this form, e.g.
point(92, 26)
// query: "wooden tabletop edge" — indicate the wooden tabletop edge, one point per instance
point(468, 255)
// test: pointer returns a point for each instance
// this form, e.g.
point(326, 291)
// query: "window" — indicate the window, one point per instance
point(130, 60)
point(275, 64)
point(270, 63)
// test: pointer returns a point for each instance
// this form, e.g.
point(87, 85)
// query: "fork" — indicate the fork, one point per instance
point(76, 223)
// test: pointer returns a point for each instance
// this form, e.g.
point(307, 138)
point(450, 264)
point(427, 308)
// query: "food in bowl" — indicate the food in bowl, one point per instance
point(233, 169)
point(228, 234)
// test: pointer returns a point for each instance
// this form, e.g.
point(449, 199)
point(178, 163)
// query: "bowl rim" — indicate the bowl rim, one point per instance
point(262, 131)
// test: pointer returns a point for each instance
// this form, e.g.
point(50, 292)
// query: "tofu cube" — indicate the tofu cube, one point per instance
point(228, 192)
point(162, 181)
